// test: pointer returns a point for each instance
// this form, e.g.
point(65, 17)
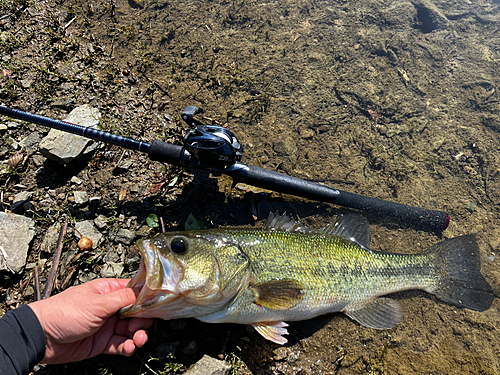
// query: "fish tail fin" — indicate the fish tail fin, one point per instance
point(458, 266)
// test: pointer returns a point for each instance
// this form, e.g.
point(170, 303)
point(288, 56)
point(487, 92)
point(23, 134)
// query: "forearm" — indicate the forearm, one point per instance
point(22, 341)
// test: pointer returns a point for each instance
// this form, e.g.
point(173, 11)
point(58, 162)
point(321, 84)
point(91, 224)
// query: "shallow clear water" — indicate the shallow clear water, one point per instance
point(392, 99)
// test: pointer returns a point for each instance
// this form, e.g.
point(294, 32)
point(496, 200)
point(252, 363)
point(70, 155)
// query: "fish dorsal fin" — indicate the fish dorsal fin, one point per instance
point(275, 221)
point(382, 313)
point(354, 227)
point(273, 331)
point(280, 294)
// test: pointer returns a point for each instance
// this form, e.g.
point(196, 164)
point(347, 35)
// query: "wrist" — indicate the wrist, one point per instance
point(38, 310)
point(36, 330)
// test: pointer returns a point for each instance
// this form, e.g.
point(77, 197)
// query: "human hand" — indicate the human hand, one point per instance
point(81, 322)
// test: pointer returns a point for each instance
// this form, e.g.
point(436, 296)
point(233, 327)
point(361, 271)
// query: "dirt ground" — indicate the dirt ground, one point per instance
point(392, 99)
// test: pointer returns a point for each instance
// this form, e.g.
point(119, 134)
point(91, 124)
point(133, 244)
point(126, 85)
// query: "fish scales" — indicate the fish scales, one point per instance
point(286, 271)
point(331, 269)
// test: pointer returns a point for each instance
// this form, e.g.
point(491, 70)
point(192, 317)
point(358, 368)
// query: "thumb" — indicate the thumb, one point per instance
point(114, 301)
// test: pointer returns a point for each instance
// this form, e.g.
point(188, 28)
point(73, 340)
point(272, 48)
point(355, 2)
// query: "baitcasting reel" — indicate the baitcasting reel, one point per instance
point(208, 146)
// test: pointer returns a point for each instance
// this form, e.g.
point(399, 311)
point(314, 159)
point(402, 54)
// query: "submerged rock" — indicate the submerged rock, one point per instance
point(285, 146)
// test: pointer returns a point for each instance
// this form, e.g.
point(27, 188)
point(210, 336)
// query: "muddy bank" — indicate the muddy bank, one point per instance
point(396, 100)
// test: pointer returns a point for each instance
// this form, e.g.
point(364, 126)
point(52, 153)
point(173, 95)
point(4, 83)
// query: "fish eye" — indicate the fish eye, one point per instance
point(178, 245)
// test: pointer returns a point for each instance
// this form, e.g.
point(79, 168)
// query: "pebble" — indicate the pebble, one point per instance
point(86, 276)
point(101, 222)
point(88, 230)
point(111, 269)
point(38, 160)
point(133, 263)
point(94, 200)
point(29, 291)
point(306, 133)
point(125, 164)
point(49, 241)
point(12, 143)
point(20, 199)
point(124, 236)
point(131, 220)
point(31, 142)
point(110, 256)
point(76, 180)
point(13, 125)
point(471, 206)
point(81, 197)
point(119, 249)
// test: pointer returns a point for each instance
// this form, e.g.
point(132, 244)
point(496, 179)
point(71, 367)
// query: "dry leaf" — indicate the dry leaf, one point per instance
point(15, 160)
point(123, 193)
point(156, 187)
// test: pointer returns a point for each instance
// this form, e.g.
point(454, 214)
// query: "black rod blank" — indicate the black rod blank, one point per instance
point(84, 131)
point(420, 218)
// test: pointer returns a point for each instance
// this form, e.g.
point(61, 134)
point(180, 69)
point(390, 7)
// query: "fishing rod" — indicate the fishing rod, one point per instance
point(216, 149)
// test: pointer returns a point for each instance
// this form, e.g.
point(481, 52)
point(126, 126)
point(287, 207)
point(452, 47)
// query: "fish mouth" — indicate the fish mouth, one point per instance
point(156, 281)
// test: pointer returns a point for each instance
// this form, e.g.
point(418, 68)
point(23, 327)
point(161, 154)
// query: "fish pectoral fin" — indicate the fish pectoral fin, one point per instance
point(273, 331)
point(278, 294)
point(381, 313)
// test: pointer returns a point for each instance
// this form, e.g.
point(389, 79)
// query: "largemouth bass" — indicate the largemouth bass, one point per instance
point(287, 272)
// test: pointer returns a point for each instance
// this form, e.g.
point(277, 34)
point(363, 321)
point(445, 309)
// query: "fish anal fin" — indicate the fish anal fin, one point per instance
point(381, 313)
point(273, 331)
point(280, 294)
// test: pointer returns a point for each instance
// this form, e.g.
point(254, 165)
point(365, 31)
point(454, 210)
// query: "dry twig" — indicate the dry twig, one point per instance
point(55, 261)
point(162, 224)
point(36, 281)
